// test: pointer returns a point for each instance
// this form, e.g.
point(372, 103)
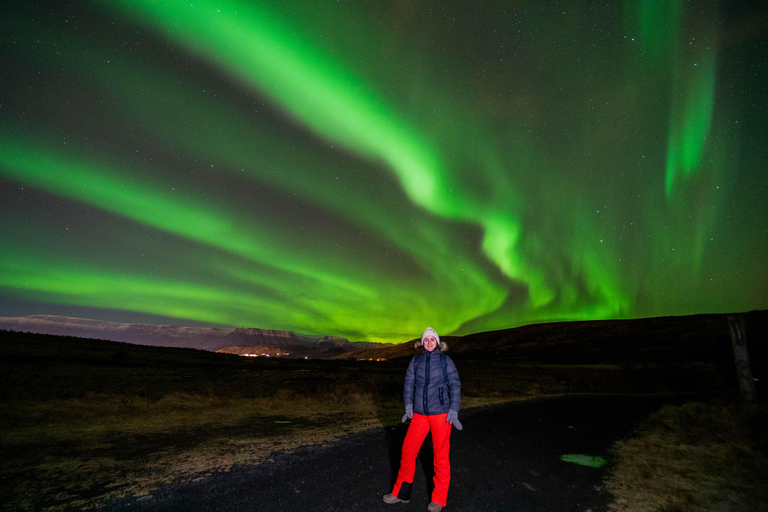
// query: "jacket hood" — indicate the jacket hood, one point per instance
point(442, 347)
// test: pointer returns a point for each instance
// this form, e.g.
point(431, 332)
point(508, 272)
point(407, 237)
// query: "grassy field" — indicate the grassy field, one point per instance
point(84, 420)
point(692, 458)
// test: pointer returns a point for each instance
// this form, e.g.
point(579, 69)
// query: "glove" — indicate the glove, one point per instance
point(453, 419)
point(408, 413)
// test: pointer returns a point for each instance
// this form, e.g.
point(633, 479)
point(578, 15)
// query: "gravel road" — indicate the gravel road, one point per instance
point(507, 458)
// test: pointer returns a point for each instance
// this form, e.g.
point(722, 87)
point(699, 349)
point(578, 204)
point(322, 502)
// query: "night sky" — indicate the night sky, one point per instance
point(365, 169)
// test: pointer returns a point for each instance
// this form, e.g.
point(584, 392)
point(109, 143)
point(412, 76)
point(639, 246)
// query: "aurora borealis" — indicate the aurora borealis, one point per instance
point(366, 169)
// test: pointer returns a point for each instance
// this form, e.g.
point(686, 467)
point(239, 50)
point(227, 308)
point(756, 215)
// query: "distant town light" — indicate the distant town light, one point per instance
point(267, 355)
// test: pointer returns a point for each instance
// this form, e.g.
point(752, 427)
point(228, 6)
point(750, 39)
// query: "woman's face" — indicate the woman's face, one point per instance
point(430, 343)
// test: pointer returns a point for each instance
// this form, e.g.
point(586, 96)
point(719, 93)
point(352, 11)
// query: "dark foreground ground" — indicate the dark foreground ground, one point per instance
point(507, 458)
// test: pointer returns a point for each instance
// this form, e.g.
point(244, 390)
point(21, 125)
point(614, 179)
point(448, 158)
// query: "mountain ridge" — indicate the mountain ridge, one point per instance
point(205, 338)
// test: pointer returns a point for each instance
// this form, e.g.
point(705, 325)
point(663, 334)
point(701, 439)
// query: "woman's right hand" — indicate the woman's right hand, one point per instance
point(408, 413)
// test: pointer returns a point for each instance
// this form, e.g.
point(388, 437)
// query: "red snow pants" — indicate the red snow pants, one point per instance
point(441, 445)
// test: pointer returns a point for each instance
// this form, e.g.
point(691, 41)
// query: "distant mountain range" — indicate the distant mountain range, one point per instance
point(250, 341)
point(669, 340)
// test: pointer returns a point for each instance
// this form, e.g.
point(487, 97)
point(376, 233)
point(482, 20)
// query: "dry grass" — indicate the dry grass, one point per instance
point(79, 451)
point(695, 457)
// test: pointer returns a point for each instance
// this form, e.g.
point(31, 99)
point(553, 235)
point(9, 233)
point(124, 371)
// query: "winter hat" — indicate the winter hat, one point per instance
point(430, 332)
point(419, 345)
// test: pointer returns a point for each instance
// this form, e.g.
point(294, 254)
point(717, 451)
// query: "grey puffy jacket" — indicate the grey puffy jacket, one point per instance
point(425, 386)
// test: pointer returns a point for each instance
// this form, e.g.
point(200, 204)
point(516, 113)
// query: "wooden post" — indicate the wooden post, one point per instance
point(741, 359)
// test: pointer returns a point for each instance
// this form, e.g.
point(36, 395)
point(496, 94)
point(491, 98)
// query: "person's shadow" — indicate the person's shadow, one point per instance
point(394, 437)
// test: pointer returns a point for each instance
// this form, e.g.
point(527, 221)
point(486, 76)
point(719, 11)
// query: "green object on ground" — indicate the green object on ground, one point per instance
point(584, 460)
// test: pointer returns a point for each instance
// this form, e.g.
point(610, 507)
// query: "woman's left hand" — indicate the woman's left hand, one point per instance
point(453, 419)
point(408, 413)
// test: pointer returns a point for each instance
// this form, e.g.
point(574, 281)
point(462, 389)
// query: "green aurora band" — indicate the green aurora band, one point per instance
point(365, 171)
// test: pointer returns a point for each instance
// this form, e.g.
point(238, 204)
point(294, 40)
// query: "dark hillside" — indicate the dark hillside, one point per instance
point(664, 354)
point(43, 367)
point(696, 338)
point(701, 338)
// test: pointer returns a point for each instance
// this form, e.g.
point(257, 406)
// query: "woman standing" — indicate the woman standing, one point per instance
point(432, 397)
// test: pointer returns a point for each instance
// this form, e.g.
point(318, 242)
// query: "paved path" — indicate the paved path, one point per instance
point(507, 458)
